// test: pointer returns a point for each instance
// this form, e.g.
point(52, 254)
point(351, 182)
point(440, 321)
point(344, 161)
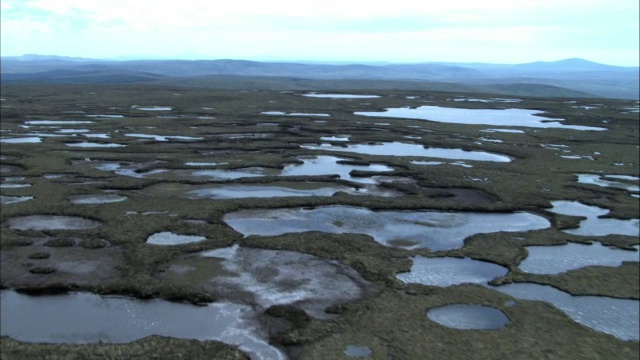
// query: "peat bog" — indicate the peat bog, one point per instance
point(312, 231)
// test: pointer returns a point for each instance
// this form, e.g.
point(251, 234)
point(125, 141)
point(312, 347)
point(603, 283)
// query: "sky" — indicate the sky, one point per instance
point(489, 31)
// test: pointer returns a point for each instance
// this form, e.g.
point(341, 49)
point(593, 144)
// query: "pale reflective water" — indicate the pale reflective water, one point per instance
point(407, 229)
point(341, 96)
point(404, 149)
point(499, 117)
point(169, 238)
point(88, 318)
point(600, 180)
point(96, 199)
point(163, 137)
point(14, 199)
point(447, 271)
point(558, 259)
point(265, 191)
point(51, 222)
point(468, 317)
point(618, 317)
point(272, 277)
point(291, 114)
point(153, 108)
point(22, 140)
point(92, 144)
point(330, 165)
point(593, 225)
point(357, 351)
point(56, 122)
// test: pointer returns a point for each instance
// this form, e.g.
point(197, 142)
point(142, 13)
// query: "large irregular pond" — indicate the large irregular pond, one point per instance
point(558, 259)
point(331, 165)
point(497, 117)
point(607, 181)
point(447, 271)
point(594, 225)
point(407, 229)
point(404, 149)
point(618, 317)
point(270, 277)
point(279, 189)
point(89, 318)
point(310, 166)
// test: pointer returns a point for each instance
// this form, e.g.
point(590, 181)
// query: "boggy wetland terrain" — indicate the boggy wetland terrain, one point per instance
point(166, 222)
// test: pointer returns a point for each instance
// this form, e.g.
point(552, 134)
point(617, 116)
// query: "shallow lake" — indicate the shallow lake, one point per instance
point(404, 149)
point(270, 277)
point(593, 225)
point(407, 229)
point(89, 318)
point(499, 117)
point(295, 190)
point(331, 165)
point(447, 271)
point(618, 317)
point(600, 180)
point(558, 259)
point(153, 108)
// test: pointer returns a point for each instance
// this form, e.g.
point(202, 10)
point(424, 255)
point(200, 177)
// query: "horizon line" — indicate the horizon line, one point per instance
point(274, 59)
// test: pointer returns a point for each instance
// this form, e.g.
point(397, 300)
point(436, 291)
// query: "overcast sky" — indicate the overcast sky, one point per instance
point(514, 31)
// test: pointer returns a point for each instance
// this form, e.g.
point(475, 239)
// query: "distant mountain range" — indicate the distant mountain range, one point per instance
point(570, 77)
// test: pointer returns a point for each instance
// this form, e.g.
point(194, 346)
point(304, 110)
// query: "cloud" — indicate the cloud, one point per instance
point(331, 28)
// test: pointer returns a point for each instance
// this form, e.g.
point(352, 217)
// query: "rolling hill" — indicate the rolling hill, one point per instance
point(565, 78)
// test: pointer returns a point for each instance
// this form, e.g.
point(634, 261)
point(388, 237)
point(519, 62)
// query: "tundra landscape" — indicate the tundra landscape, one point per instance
point(164, 209)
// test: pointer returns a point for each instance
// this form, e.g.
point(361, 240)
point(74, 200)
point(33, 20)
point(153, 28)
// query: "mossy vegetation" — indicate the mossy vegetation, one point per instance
point(236, 136)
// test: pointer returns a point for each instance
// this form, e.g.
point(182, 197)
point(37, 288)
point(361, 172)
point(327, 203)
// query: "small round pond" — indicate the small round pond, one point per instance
point(468, 317)
point(357, 351)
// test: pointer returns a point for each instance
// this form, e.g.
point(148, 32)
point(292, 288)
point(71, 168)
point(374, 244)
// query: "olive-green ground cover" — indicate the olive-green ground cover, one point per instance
point(392, 322)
